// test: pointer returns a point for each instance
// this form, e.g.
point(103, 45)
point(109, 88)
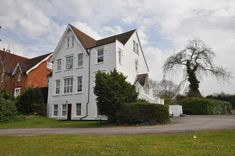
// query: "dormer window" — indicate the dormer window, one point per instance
point(100, 55)
point(70, 41)
point(58, 65)
point(120, 56)
point(80, 60)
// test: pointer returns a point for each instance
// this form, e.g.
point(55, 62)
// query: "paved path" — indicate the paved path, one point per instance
point(178, 124)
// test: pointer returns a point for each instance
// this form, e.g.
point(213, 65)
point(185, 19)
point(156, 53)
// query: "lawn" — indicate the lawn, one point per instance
point(37, 121)
point(206, 143)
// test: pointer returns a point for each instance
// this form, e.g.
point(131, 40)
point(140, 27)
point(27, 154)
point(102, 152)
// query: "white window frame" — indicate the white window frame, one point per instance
point(55, 110)
point(57, 86)
point(136, 65)
point(68, 41)
point(68, 86)
point(19, 77)
point(58, 65)
point(68, 62)
point(78, 109)
point(2, 77)
point(79, 84)
point(133, 45)
point(17, 91)
point(64, 110)
point(99, 55)
point(80, 59)
point(120, 56)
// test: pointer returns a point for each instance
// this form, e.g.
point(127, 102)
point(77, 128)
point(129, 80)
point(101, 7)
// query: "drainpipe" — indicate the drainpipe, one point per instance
point(88, 97)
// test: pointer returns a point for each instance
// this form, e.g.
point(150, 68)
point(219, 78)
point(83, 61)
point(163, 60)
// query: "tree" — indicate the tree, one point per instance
point(196, 60)
point(166, 88)
point(112, 90)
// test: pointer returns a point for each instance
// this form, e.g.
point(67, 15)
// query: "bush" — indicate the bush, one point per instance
point(142, 113)
point(201, 106)
point(7, 110)
point(31, 102)
point(225, 97)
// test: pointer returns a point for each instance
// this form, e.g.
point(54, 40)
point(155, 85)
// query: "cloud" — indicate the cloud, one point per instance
point(164, 26)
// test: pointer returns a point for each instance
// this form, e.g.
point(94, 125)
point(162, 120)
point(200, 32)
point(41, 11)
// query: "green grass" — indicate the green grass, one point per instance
point(42, 122)
point(214, 143)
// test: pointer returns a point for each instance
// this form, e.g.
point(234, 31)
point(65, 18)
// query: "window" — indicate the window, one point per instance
point(2, 77)
point(80, 60)
point(78, 109)
point(100, 56)
point(55, 112)
point(57, 87)
point(136, 65)
point(17, 92)
point(70, 42)
point(18, 77)
point(135, 47)
point(120, 56)
point(79, 84)
point(58, 67)
point(68, 39)
point(64, 109)
point(69, 62)
point(68, 85)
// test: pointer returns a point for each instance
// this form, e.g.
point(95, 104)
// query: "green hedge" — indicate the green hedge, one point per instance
point(201, 106)
point(142, 113)
point(7, 110)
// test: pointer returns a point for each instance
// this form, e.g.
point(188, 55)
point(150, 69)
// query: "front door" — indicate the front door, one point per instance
point(69, 112)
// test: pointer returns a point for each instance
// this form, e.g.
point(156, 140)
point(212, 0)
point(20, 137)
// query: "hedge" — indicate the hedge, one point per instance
point(7, 110)
point(202, 106)
point(142, 113)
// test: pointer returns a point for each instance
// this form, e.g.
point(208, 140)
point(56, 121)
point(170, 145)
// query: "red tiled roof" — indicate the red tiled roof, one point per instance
point(88, 42)
point(11, 60)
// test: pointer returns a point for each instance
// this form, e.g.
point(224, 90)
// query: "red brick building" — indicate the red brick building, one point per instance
point(18, 73)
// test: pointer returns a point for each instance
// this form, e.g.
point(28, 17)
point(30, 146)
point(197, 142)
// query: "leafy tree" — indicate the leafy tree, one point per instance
point(31, 102)
point(112, 90)
point(196, 60)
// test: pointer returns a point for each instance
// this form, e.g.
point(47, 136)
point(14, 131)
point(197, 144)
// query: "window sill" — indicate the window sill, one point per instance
point(58, 71)
point(68, 69)
point(67, 94)
point(78, 93)
point(56, 95)
point(99, 63)
point(80, 67)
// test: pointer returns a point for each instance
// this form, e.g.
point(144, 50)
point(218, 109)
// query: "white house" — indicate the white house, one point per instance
point(76, 60)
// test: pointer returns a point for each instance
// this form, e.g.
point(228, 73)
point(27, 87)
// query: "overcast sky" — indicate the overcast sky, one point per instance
point(31, 28)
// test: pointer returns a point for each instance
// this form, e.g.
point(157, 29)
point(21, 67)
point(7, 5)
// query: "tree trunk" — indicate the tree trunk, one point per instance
point(193, 83)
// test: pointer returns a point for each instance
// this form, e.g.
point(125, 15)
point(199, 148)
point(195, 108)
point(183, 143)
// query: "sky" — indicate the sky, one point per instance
point(34, 27)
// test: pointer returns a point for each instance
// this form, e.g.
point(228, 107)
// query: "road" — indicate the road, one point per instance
point(178, 124)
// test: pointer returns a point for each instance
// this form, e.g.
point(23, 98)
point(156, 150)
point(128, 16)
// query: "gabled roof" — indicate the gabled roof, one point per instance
point(88, 42)
point(141, 78)
point(85, 40)
point(11, 61)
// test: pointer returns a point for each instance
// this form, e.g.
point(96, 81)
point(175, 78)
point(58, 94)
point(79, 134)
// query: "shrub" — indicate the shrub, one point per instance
point(31, 102)
point(142, 113)
point(112, 90)
point(7, 110)
point(202, 106)
point(225, 97)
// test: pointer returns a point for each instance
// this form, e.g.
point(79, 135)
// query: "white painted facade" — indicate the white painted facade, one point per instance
point(83, 103)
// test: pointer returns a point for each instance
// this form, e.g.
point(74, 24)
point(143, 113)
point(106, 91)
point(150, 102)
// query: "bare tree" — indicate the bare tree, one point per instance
point(196, 60)
point(165, 88)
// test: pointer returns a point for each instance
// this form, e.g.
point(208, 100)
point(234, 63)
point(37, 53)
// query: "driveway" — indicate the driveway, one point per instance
point(178, 124)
